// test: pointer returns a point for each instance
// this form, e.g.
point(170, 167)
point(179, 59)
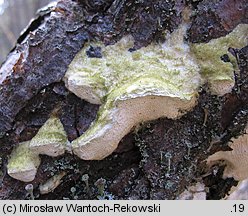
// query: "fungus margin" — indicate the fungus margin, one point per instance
point(23, 163)
point(24, 159)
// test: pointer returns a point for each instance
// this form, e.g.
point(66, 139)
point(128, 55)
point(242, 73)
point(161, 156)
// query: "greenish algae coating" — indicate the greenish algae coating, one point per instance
point(51, 138)
point(23, 163)
point(170, 71)
point(216, 72)
point(93, 79)
point(160, 80)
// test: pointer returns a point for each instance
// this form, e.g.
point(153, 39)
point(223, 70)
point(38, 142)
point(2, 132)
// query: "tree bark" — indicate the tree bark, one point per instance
point(31, 88)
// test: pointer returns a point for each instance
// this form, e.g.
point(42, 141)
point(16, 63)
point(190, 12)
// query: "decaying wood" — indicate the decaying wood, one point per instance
point(164, 156)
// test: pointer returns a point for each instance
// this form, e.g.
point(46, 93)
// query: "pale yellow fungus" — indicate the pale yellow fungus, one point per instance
point(23, 163)
point(220, 74)
point(236, 160)
point(160, 80)
point(52, 183)
point(51, 139)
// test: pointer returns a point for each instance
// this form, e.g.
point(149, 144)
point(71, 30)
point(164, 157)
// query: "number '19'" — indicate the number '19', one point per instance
point(239, 207)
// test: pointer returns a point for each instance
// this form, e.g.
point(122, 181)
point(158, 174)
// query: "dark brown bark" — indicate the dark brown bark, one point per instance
point(31, 87)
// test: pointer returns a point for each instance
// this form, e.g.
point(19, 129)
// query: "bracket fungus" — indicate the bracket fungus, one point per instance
point(216, 65)
point(50, 140)
point(160, 80)
point(23, 163)
point(51, 183)
point(236, 160)
point(132, 86)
